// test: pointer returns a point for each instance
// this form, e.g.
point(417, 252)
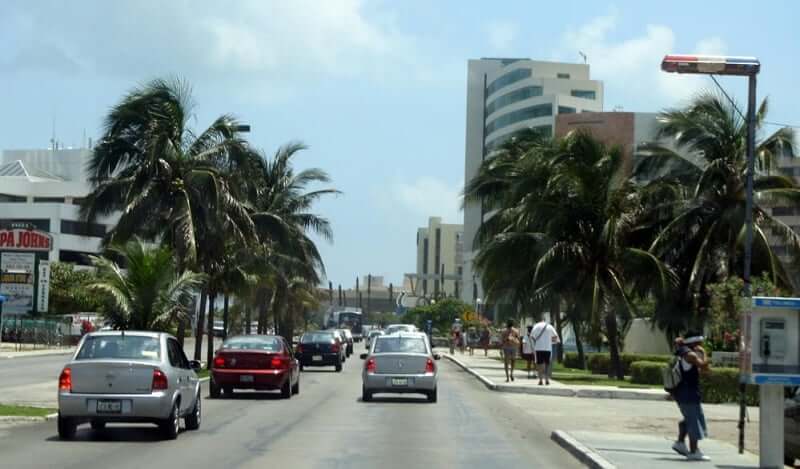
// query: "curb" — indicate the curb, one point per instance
point(34, 354)
point(610, 393)
point(582, 453)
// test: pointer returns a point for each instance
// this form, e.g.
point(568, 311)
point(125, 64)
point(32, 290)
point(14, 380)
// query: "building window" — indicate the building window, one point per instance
point(533, 112)
point(564, 76)
point(507, 79)
point(513, 97)
point(424, 287)
point(585, 94)
point(545, 131)
point(37, 223)
point(48, 200)
point(460, 271)
point(566, 110)
point(438, 252)
point(8, 198)
point(82, 228)
point(425, 256)
point(75, 257)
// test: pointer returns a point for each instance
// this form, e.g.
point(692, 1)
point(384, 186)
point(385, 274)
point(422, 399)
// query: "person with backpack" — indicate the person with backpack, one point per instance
point(682, 380)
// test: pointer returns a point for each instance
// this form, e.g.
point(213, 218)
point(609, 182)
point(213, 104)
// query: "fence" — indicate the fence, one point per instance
point(35, 333)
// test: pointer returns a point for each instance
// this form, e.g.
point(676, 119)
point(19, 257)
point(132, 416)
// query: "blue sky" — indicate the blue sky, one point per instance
point(375, 88)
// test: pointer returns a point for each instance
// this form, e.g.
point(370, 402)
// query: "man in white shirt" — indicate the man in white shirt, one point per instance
point(544, 336)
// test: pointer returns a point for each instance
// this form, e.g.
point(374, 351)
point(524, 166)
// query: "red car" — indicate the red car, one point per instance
point(260, 362)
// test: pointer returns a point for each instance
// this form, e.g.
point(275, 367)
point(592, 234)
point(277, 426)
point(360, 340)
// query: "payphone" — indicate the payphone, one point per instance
point(771, 352)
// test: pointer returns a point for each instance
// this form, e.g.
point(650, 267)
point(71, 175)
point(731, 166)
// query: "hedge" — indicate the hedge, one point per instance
point(721, 385)
point(599, 363)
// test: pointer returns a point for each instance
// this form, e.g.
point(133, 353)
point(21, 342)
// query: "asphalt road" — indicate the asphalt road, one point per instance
point(325, 426)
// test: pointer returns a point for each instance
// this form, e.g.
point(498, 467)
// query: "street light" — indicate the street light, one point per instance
point(745, 67)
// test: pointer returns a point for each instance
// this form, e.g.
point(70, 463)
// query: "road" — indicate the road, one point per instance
point(325, 426)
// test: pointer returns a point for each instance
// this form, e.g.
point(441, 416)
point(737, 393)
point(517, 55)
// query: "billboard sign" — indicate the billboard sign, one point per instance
point(43, 290)
point(16, 281)
point(18, 239)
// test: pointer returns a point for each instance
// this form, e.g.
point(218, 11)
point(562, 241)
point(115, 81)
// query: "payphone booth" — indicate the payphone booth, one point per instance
point(770, 359)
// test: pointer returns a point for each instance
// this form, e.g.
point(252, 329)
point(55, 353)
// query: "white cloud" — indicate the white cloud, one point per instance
point(501, 34)
point(632, 65)
point(428, 197)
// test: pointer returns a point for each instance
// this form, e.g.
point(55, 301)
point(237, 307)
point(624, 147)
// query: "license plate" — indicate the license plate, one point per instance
point(246, 378)
point(399, 381)
point(109, 407)
point(317, 358)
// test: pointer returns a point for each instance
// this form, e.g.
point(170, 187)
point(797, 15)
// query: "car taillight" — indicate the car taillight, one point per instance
point(335, 347)
point(219, 362)
point(429, 366)
point(371, 367)
point(277, 362)
point(298, 349)
point(159, 380)
point(65, 380)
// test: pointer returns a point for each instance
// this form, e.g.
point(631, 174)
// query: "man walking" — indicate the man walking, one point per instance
point(691, 362)
point(527, 349)
point(510, 341)
point(544, 336)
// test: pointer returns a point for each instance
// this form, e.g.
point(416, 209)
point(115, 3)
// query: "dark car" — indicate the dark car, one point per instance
point(791, 428)
point(320, 348)
point(260, 362)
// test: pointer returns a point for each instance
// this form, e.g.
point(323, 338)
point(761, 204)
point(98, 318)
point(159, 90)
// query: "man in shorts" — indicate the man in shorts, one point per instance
point(544, 336)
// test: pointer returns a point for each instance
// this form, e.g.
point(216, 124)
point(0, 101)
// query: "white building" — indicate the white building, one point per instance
point(505, 96)
point(43, 188)
point(440, 259)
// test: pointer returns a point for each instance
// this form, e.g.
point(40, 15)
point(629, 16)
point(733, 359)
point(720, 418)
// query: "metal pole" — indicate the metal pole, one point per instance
point(748, 220)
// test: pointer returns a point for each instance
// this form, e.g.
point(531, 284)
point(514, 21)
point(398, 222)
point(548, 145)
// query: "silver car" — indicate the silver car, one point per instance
point(370, 337)
point(128, 376)
point(400, 363)
point(395, 328)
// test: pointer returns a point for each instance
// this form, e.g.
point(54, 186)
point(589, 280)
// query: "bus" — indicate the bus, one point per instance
point(346, 318)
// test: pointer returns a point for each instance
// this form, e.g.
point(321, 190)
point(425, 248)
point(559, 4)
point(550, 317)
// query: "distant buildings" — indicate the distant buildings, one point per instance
point(43, 189)
point(440, 260)
point(505, 96)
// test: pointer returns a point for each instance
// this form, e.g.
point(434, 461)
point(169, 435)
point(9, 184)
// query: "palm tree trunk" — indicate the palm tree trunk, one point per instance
point(198, 333)
point(248, 316)
point(555, 313)
point(579, 346)
point(212, 297)
point(612, 333)
point(225, 316)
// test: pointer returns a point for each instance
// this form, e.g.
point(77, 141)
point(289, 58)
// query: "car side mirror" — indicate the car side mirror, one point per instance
point(363, 356)
point(195, 365)
point(436, 356)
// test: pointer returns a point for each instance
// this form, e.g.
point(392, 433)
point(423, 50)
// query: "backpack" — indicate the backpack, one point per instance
point(672, 375)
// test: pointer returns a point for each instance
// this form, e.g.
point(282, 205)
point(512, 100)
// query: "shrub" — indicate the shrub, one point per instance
point(599, 363)
point(644, 372)
point(722, 385)
point(571, 360)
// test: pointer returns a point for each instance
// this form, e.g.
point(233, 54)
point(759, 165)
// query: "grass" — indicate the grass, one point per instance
point(584, 377)
point(24, 411)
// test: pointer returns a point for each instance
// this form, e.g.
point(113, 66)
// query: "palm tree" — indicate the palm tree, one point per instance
point(165, 180)
point(563, 225)
point(148, 294)
point(702, 200)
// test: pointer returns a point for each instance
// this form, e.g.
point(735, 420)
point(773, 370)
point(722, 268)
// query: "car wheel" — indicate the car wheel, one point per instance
point(788, 460)
point(301, 367)
point(366, 396)
point(172, 424)
point(296, 387)
point(228, 390)
point(432, 395)
point(98, 425)
point(66, 428)
point(213, 389)
point(193, 420)
point(339, 366)
point(286, 390)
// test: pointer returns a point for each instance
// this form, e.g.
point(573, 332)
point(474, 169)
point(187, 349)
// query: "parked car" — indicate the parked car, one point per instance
point(348, 337)
point(132, 377)
point(394, 328)
point(791, 428)
point(372, 334)
point(320, 348)
point(400, 363)
point(260, 362)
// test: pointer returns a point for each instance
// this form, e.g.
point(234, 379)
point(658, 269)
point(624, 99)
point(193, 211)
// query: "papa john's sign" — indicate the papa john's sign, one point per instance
point(16, 239)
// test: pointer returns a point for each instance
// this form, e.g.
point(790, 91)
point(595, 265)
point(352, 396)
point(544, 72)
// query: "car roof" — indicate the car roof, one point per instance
point(135, 333)
point(411, 335)
point(258, 336)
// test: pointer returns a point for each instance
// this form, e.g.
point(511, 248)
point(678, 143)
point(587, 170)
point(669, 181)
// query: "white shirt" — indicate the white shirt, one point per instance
point(544, 335)
point(527, 343)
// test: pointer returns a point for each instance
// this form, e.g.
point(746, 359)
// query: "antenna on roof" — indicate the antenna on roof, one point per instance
point(585, 59)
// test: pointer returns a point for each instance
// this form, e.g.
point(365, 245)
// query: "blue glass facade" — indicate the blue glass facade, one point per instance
point(585, 94)
point(532, 112)
point(507, 79)
point(513, 97)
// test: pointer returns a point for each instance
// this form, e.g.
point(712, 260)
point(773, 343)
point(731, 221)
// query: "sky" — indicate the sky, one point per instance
point(376, 89)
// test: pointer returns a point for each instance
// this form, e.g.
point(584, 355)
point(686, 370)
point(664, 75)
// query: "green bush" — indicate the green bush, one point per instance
point(644, 372)
point(599, 363)
point(722, 385)
point(571, 360)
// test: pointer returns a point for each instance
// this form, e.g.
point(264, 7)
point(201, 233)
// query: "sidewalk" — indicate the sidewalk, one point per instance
point(10, 351)
point(601, 450)
point(490, 372)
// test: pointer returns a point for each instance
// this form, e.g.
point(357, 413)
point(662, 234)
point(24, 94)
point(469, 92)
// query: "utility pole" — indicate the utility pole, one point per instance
point(369, 292)
point(358, 292)
point(340, 294)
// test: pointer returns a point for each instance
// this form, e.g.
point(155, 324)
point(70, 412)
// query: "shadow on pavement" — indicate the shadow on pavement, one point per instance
point(245, 395)
point(395, 400)
point(319, 370)
point(126, 434)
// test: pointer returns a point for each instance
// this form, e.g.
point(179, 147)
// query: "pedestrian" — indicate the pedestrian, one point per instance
point(510, 341)
point(455, 335)
point(485, 338)
point(527, 349)
point(544, 336)
point(472, 340)
point(691, 362)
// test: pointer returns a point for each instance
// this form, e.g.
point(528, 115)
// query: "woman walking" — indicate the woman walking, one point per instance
point(510, 340)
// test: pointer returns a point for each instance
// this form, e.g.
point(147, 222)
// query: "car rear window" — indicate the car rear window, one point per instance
point(268, 344)
point(316, 337)
point(131, 347)
point(400, 345)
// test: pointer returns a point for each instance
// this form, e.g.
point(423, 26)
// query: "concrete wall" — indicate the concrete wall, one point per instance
point(643, 338)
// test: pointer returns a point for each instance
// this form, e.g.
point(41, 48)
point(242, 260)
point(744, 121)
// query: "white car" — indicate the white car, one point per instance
point(394, 328)
point(131, 377)
point(372, 334)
